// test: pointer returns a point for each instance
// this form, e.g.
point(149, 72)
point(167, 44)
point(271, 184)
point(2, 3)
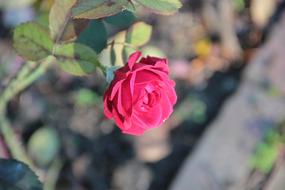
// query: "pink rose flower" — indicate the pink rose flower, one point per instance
point(141, 95)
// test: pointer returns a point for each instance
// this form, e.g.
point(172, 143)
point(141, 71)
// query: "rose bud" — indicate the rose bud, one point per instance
point(141, 95)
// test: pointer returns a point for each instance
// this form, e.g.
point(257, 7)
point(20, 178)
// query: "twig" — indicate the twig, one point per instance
point(13, 142)
point(19, 83)
point(23, 81)
point(122, 43)
point(52, 174)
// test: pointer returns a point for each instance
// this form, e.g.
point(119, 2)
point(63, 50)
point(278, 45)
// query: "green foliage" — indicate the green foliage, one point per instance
point(62, 26)
point(192, 109)
point(69, 22)
point(166, 7)
point(122, 19)
point(43, 19)
point(94, 36)
point(91, 9)
point(266, 153)
point(15, 175)
point(44, 145)
point(32, 41)
point(139, 34)
point(86, 97)
point(126, 42)
point(265, 157)
point(113, 55)
point(76, 59)
point(153, 51)
point(239, 5)
point(198, 111)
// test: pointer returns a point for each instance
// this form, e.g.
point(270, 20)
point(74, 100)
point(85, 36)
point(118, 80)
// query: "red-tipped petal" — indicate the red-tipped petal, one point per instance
point(133, 59)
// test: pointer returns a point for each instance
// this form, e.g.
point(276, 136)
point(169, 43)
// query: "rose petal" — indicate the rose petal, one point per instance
point(132, 82)
point(141, 67)
point(118, 119)
point(146, 77)
point(139, 92)
point(133, 58)
point(118, 103)
point(107, 110)
point(134, 130)
point(153, 60)
point(151, 118)
point(115, 89)
point(126, 96)
point(167, 107)
point(171, 91)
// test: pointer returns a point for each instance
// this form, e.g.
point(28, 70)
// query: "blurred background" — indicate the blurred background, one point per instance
point(227, 131)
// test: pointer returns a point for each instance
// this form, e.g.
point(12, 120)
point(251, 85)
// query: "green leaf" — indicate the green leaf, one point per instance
point(32, 41)
point(139, 34)
point(265, 157)
point(76, 59)
point(42, 19)
point(113, 55)
point(152, 51)
point(44, 145)
point(94, 36)
point(122, 19)
point(91, 9)
point(15, 175)
point(267, 152)
point(239, 5)
point(60, 18)
point(165, 7)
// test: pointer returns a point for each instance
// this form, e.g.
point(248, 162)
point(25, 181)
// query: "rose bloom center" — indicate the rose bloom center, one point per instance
point(150, 96)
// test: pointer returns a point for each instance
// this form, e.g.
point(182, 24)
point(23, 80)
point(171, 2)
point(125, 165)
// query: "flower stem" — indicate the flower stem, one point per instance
point(25, 77)
point(52, 174)
point(124, 44)
point(13, 142)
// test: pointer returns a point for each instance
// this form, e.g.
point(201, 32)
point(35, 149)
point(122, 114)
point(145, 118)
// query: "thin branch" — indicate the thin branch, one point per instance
point(52, 174)
point(19, 83)
point(13, 142)
point(122, 43)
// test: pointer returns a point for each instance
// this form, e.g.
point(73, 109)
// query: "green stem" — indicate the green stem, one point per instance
point(52, 174)
point(124, 44)
point(25, 77)
point(13, 142)
point(36, 73)
point(26, 69)
point(8, 93)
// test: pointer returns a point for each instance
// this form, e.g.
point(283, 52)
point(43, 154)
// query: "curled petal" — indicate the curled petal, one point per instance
point(133, 59)
point(159, 63)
